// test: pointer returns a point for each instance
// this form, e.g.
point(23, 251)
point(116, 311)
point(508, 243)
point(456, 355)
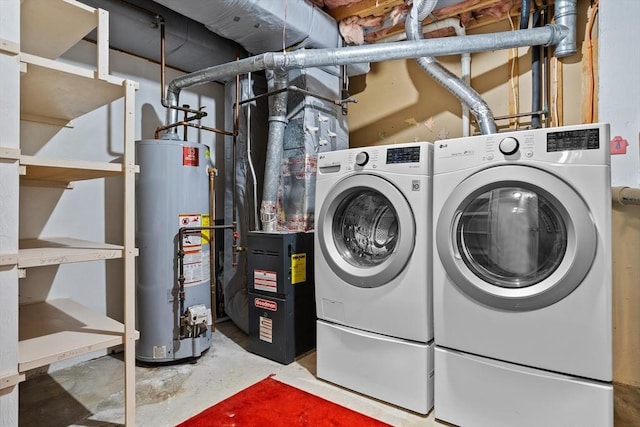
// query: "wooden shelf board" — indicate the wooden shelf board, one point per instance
point(61, 329)
point(58, 91)
point(64, 250)
point(8, 259)
point(9, 153)
point(48, 28)
point(9, 47)
point(65, 171)
point(10, 380)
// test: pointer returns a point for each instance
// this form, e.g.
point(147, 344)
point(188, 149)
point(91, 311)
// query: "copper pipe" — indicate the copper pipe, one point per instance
point(212, 247)
point(162, 60)
point(185, 108)
point(236, 121)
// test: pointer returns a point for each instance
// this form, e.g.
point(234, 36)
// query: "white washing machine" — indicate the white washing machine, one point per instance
point(373, 272)
point(522, 278)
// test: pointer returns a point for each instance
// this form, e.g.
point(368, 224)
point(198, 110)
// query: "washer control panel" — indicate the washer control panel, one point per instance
point(403, 155)
point(405, 158)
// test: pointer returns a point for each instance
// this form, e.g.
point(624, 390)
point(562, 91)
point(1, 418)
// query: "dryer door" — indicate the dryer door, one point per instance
point(515, 238)
point(366, 230)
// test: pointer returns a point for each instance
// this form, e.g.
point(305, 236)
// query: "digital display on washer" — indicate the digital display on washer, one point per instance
point(403, 155)
point(581, 139)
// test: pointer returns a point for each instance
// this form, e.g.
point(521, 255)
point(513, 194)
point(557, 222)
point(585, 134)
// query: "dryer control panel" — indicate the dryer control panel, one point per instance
point(580, 144)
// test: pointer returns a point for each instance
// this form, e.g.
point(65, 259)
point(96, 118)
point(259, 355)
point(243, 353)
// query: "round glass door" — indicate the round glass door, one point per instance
point(511, 236)
point(515, 238)
point(366, 230)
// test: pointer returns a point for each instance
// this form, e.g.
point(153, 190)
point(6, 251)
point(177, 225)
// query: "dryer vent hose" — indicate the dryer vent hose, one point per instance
point(625, 195)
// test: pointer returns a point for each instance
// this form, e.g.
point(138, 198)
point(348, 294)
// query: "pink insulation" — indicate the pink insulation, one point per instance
point(356, 30)
point(352, 28)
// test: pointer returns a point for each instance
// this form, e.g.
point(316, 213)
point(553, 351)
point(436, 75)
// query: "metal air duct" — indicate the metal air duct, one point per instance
point(263, 25)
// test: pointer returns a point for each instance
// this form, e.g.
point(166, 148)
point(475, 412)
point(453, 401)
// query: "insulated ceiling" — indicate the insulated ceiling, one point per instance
point(271, 25)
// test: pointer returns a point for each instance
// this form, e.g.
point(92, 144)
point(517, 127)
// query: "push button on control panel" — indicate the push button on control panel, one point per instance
point(509, 146)
point(362, 158)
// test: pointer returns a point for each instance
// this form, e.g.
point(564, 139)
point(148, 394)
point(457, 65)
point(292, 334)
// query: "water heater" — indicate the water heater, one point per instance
point(172, 193)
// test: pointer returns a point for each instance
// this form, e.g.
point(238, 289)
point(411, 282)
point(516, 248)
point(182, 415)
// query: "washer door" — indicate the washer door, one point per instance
point(366, 230)
point(515, 238)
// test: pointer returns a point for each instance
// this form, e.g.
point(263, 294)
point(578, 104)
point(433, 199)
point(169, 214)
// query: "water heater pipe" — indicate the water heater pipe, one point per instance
point(181, 279)
point(212, 244)
point(625, 195)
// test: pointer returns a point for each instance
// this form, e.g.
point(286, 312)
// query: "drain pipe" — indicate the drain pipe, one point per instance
point(525, 7)
point(467, 95)
point(548, 35)
point(536, 67)
point(536, 82)
point(625, 195)
point(275, 143)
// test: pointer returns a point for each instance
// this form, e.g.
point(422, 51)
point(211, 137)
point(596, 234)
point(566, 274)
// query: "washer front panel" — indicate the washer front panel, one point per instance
point(366, 230)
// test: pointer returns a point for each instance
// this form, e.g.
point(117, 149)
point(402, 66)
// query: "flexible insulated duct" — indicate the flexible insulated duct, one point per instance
point(465, 93)
point(465, 58)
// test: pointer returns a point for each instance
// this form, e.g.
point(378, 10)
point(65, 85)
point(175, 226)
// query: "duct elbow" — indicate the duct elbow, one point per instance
point(565, 18)
point(485, 118)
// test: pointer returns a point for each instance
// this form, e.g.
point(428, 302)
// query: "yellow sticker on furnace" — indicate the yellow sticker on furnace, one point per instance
point(298, 268)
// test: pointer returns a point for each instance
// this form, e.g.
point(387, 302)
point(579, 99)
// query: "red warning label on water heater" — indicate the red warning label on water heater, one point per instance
point(190, 156)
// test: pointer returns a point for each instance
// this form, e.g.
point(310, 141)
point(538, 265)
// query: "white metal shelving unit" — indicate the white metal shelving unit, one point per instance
point(55, 92)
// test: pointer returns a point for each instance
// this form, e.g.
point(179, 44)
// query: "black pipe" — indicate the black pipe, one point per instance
point(524, 14)
point(546, 63)
point(536, 68)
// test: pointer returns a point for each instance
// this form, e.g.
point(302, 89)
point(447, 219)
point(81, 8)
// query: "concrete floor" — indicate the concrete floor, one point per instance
point(90, 393)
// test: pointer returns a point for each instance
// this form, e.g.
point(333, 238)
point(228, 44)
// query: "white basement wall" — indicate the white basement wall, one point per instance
point(92, 210)
point(619, 104)
point(619, 91)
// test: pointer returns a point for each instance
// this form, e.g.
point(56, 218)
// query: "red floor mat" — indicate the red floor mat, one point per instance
point(272, 403)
